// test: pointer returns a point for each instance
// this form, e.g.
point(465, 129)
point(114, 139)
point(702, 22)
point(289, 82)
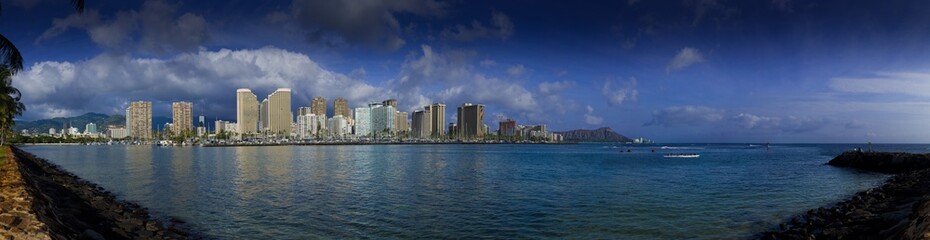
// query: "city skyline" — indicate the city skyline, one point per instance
point(686, 71)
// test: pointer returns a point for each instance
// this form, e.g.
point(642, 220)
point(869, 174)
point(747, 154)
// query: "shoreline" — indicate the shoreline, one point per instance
point(376, 143)
point(895, 210)
point(73, 208)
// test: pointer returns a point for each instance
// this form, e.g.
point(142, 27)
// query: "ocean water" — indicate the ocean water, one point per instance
point(586, 191)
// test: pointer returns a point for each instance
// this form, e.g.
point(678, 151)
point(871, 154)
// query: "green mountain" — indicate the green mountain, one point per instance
point(604, 134)
point(42, 126)
point(80, 122)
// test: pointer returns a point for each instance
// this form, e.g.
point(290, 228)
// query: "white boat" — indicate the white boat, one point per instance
point(682, 155)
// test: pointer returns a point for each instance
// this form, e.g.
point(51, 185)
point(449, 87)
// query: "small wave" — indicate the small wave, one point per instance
point(681, 148)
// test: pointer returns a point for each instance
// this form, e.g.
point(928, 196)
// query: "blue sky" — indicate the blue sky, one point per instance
point(673, 71)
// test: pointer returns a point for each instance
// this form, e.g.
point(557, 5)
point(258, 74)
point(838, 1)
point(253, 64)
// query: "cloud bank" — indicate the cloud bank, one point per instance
point(685, 57)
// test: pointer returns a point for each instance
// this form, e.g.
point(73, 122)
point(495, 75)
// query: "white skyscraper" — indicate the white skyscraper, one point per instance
point(382, 119)
point(363, 121)
point(338, 126)
point(310, 125)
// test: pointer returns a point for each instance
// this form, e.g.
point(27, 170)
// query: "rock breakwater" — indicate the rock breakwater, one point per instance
point(72, 208)
point(17, 220)
point(896, 210)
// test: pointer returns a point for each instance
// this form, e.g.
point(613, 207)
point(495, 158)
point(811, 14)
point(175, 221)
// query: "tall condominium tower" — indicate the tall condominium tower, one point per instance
point(507, 128)
point(438, 119)
point(470, 122)
point(341, 107)
point(246, 111)
point(182, 117)
point(382, 119)
point(263, 120)
point(390, 102)
point(318, 106)
point(420, 124)
point(139, 119)
point(400, 122)
point(301, 111)
point(363, 121)
point(280, 116)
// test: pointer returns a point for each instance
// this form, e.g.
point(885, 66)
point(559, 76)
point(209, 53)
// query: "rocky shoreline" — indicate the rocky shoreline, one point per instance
point(896, 210)
point(72, 208)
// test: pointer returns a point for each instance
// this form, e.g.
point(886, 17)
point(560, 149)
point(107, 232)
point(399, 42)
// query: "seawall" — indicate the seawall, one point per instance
point(896, 210)
point(71, 208)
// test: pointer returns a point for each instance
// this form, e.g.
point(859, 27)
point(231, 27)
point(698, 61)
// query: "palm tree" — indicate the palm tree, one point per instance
point(11, 62)
point(10, 106)
point(10, 58)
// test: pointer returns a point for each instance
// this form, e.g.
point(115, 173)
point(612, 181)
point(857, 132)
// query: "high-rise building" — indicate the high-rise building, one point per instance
point(341, 107)
point(507, 128)
point(338, 126)
point(117, 132)
point(420, 124)
point(280, 116)
point(438, 119)
point(202, 122)
point(263, 120)
point(182, 117)
point(363, 121)
point(219, 126)
point(470, 124)
point(90, 128)
point(318, 106)
point(400, 122)
point(382, 119)
point(390, 102)
point(310, 125)
point(303, 111)
point(246, 112)
point(139, 119)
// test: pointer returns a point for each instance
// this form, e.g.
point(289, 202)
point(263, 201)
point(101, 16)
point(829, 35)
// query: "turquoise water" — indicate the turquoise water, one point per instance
point(471, 191)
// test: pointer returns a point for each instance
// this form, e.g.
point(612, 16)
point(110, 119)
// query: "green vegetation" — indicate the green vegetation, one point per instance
point(10, 105)
point(11, 62)
point(3, 154)
point(19, 139)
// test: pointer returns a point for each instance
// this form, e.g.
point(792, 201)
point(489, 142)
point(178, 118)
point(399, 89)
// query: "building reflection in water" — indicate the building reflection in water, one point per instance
point(185, 185)
point(139, 166)
point(245, 183)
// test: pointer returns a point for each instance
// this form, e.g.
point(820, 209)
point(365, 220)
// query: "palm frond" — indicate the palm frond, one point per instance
point(78, 5)
point(10, 57)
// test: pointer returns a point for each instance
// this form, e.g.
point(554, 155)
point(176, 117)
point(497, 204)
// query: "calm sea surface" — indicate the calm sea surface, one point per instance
point(472, 191)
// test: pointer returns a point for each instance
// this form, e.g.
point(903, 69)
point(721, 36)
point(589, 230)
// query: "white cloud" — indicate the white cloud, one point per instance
point(750, 121)
point(516, 70)
point(617, 96)
point(154, 29)
point(207, 78)
point(909, 83)
point(501, 27)
point(449, 77)
point(591, 119)
point(488, 63)
point(685, 57)
point(676, 116)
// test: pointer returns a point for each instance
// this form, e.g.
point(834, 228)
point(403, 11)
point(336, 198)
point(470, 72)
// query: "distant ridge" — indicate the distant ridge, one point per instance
point(79, 122)
point(604, 134)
